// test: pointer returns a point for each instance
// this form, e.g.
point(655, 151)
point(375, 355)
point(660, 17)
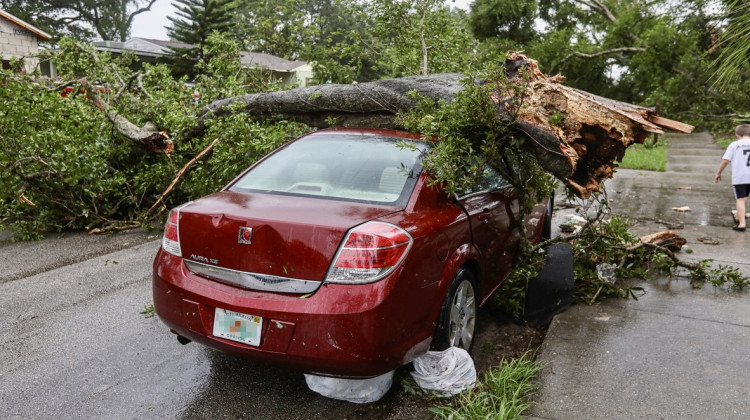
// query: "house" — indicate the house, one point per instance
point(286, 72)
point(19, 39)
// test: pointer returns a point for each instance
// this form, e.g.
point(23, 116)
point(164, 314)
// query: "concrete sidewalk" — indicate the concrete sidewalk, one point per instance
point(676, 352)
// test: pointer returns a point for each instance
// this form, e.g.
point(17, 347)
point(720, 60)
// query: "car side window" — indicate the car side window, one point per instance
point(489, 181)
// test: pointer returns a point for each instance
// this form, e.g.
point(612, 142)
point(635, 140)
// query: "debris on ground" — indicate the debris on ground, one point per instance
point(567, 228)
point(682, 209)
point(685, 188)
point(448, 372)
point(707, 240)
point(574, 225)
point(606, 272)
point(667, 239)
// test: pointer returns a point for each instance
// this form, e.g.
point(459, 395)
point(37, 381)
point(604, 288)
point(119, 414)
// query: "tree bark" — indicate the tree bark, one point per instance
point(589, 135)
point(154, 141)
point(372, 104)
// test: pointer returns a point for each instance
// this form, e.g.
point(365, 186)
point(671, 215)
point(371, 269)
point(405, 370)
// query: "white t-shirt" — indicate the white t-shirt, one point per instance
point(739, 154)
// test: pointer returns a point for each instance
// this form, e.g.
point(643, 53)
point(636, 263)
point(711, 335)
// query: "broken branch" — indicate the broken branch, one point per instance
point(157, 142)
point(179, 175)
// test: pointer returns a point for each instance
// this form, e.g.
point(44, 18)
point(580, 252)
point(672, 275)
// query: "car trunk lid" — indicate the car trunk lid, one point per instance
point(268, 234)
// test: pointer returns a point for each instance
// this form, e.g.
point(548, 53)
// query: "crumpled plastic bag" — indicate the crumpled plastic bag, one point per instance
point(358, 391)
point(606, 272)
point(448, 372)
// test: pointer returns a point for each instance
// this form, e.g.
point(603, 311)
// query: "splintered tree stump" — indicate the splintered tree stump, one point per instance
point(590, 132)
point(666, 239)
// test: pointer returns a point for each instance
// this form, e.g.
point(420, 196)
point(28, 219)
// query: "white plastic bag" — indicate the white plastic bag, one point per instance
point(358, 391)
point(606, 272)
point(448, 372)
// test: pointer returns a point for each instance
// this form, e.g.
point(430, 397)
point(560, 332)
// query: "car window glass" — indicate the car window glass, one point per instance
point(488, 181)
point(491, 180)
point(366, 168)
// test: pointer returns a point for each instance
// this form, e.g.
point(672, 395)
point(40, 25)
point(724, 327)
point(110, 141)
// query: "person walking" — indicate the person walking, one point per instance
point(738, 154)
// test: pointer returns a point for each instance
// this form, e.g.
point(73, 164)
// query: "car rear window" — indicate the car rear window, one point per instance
point(351, 167)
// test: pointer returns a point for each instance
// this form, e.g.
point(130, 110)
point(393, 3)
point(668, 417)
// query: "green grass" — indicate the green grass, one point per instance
point(504, 393)
point(724, 139)
point(647, 156)
point(148, 311)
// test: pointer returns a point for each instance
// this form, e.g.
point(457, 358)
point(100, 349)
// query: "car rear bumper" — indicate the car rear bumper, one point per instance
point(340, 330)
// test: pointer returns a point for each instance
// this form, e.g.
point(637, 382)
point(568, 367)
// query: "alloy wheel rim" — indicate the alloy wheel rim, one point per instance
point(463, 316)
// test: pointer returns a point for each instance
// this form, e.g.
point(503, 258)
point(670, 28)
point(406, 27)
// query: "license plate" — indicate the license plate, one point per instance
point(237, 326)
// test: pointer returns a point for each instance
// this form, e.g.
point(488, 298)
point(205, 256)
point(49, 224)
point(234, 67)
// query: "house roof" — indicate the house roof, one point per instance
point(41, 35)
point(158, 48)
point(271, 62)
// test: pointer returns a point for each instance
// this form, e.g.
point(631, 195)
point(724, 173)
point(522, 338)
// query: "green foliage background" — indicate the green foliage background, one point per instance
point(64, 166)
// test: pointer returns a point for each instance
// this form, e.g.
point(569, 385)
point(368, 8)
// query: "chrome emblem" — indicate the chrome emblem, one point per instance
point(245, 236)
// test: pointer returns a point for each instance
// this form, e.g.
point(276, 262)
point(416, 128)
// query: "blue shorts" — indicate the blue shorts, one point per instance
point(741, 190)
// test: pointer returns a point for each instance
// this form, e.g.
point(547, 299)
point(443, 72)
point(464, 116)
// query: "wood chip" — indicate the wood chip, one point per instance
point(708, 241)
point(683, 209)
point(666, 239)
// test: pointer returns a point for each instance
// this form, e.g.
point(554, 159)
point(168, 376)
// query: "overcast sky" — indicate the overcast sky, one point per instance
point(153, 24)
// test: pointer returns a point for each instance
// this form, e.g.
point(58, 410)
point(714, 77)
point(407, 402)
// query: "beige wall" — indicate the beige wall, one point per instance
point(16, 41)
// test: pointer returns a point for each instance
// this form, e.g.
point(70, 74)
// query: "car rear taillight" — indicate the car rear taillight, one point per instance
point(171, 240)
point(369, 253)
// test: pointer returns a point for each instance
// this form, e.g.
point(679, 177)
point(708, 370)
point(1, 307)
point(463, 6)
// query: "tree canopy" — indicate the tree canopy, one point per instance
point(732, 64)
point(196, 20)
point(658, 54)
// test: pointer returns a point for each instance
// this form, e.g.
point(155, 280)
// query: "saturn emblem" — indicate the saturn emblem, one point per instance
point(246, 235)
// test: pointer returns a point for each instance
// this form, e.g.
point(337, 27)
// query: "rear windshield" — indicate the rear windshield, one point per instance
point(351, 167)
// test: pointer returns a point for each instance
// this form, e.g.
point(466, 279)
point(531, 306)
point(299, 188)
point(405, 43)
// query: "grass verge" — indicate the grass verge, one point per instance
point(648, 156)
point(724, 139)
point(504, 393)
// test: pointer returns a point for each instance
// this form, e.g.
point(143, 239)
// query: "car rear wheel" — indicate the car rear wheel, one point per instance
point(459, 314)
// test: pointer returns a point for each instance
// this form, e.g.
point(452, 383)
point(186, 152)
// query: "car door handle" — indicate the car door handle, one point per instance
point(484, 215)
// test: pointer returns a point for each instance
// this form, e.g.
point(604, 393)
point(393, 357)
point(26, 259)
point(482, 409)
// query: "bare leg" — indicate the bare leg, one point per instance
point(741, 205)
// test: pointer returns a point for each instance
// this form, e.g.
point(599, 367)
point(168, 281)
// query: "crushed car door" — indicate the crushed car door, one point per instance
point(491, 207)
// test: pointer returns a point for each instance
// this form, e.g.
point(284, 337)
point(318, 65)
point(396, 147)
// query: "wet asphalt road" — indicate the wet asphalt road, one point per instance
point(73, 344)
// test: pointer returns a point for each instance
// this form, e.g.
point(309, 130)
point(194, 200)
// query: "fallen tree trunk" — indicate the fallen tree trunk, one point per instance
point(590, 133)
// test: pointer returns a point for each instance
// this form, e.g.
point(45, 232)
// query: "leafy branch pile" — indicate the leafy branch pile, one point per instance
point(605, 254)
point(474, 134)
point(64, 166)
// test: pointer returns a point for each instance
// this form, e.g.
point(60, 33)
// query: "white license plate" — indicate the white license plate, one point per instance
point(237, 326)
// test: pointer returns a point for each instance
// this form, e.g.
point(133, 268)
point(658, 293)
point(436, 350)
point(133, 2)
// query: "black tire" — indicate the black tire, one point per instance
point(547, 228)
point(552, 290)
point(459, 314)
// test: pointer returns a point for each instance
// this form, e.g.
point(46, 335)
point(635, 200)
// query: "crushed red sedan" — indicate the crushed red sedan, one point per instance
point(334, 255)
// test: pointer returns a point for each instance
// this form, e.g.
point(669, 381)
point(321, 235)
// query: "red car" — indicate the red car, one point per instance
point(334, 255)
